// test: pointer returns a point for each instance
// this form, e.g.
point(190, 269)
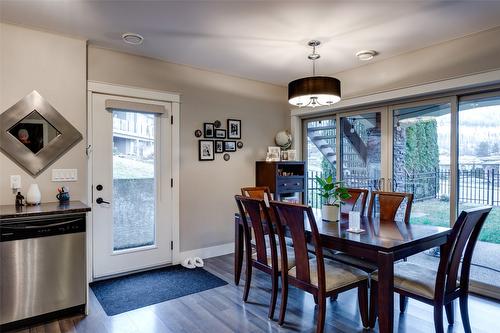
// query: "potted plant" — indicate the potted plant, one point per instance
point(333, 193)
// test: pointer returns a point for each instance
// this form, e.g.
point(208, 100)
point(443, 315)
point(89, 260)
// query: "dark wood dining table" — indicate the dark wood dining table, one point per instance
point(381, 242)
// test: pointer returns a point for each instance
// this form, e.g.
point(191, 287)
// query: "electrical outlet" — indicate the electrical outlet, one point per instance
point(64, 175)
point(15, 182)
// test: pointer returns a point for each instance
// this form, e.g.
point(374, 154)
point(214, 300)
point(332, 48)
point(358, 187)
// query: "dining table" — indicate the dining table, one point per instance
point(381, 242)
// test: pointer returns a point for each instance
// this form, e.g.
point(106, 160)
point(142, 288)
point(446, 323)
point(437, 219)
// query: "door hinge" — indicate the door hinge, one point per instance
point(171, 120)
point(171, 182)
point(171, 245)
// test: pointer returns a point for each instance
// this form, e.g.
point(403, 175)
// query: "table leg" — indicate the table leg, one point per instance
point(385, 292)
point(238, 250)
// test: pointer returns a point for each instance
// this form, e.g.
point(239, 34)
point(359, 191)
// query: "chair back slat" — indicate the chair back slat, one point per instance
point(257, 192)
point(258, 214)
point(349, 204)
point(461, 244)
point(389, 204)
point(292, 218)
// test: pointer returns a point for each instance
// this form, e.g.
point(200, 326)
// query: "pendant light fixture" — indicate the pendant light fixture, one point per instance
point(314, 90)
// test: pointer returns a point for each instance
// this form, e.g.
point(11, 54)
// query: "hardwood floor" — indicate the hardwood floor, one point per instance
point(222, 310)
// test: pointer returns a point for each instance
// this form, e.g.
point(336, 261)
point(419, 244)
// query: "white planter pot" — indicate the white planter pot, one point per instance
point(330, 213)
point(34, 196)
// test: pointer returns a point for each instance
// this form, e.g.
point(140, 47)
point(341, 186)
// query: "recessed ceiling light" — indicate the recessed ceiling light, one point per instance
point(131, 38)
point(366, 55)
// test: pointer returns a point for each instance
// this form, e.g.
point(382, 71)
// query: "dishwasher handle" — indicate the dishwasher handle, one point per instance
point(55, 224)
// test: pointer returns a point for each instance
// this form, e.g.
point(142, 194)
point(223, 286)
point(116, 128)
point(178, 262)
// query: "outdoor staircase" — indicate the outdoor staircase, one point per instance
point(326, 143)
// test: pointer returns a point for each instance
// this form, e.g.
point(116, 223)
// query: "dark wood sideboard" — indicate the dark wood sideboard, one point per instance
point(286, 179)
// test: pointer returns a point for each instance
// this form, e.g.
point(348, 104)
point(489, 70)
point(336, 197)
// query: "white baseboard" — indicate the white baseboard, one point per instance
point(207, 252)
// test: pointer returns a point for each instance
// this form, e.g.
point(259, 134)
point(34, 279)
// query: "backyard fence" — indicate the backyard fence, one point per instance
point(476, 185)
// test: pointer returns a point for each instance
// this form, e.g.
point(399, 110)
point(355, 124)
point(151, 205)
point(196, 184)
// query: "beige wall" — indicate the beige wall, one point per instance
point(464, 56)
point(55, 67)
point(206, 188)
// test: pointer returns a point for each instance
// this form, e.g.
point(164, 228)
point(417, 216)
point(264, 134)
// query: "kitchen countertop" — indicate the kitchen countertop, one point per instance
point(48, 208)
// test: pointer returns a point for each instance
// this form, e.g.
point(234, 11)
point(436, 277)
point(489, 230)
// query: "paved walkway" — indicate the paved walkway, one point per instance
point(485, 254)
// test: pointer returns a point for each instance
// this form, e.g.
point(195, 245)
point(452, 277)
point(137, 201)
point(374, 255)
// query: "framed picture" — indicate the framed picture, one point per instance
point(219, 146)
point(208, 130)
point(233, 129)
point(220, 133)
point(206, 150)
point(229, 145)
point(292, 154)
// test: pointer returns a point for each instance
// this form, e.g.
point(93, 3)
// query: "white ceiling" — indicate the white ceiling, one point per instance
point(259, 40)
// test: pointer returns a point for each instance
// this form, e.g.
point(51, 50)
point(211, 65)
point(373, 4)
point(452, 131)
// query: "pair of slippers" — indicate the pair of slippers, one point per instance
point(192, 262)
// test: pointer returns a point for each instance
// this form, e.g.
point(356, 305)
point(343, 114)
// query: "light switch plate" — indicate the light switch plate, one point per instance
point(15, 182)
point(64, 175)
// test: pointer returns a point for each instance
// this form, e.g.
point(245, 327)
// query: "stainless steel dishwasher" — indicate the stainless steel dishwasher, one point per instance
point(42, 266)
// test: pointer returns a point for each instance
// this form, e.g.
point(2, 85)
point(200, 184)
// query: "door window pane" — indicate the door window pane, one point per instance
point(321, 157)
point(421, 161)
point(360, 150)
point(479, 177)
point(133, 180)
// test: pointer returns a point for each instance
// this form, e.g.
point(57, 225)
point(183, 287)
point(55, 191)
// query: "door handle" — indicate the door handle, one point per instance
point(101, 201)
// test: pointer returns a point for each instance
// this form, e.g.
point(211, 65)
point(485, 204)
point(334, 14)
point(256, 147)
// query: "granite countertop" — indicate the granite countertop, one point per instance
point(48, 208)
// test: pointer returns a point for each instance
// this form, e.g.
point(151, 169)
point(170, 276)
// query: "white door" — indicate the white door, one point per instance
point(131, 191)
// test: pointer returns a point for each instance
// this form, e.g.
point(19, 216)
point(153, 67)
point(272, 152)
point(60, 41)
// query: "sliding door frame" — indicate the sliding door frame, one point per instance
point(453, 97)
point(452, 101)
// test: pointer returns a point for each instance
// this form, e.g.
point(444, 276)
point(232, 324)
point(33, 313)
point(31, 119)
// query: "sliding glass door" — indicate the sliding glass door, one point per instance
point(479, 178)
point(446, 152)
point(421, 152)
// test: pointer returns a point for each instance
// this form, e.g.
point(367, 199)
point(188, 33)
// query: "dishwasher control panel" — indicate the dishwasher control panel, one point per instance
point(23, 229)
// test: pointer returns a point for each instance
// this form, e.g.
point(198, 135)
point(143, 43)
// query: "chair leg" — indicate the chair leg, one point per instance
point(438, 318)
point(373, 304)
point(284, 299)
point(450, 312)
point(248, 279)
point(274, 295)
point(320, 325)
point(403, 303)
point(464, 312)
point(363, 303)
point(334, 297)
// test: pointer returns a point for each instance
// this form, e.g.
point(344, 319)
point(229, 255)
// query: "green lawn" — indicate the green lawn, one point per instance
point(435, 212)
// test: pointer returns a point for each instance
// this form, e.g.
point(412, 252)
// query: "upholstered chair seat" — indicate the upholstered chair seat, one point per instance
point(337, 275)
point(413, 278)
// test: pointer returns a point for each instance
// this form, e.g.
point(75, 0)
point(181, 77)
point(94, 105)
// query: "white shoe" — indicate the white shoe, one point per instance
point(198, 262)
point(188, 263)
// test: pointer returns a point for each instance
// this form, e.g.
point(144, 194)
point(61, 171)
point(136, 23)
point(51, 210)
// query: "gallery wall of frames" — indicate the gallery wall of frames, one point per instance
point(214, 139)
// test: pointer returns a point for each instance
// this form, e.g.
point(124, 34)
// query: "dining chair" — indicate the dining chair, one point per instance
point(318, 276)
point(360, 196)
point(440, 288)
point(257, 192)
point(266, 258)
point(389, 203)
point(349, 205)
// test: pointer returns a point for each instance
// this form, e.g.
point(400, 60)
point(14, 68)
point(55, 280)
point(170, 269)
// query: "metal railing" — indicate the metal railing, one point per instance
point(477, 185)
